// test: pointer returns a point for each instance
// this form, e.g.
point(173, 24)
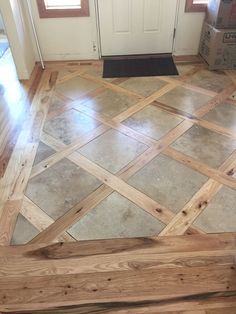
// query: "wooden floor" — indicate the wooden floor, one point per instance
point(188, 272)
point(184, 275)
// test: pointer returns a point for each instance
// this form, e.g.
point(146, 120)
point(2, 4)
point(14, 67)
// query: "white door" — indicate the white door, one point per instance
point(136, 26)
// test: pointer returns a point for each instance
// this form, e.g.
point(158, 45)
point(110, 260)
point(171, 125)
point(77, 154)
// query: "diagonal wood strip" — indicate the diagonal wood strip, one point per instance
point(95, 115)
point(39, 219)
point(190, 162)
point(192, 118)
point(22, 159)
point(199, 202)
point(143, 103)
point(155, 146)
point(65, 150)
point(111, 86)
point(79, 210)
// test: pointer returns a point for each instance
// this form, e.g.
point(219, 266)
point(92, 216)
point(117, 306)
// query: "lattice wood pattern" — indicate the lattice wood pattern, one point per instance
point(20, 167)
point(202, 265)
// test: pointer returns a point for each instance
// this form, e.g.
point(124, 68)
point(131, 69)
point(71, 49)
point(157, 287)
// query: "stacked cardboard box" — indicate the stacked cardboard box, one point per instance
point(218, 41)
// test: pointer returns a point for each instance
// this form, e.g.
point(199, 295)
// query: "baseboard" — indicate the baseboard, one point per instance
point(69, 57)
point(188, 59)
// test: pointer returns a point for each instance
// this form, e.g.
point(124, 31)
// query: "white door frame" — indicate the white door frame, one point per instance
point(99, 46)
point(18, 37)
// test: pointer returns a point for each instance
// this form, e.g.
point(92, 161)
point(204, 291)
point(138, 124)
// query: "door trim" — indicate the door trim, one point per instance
point(99, 43)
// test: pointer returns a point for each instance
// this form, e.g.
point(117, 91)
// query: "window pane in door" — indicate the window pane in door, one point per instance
point(200, 2)
point(62, 4)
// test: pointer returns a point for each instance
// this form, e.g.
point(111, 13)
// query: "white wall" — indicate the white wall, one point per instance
point(74, 38)
point(67, 38)
point(19, 37)
point(188, 31)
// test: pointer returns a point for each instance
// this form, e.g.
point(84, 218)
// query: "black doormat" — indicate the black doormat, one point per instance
point(3, 48)
point(131, 67)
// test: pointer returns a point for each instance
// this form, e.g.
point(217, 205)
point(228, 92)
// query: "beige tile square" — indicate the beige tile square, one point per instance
point(116, 217)
point(152, 122)
point(55, 104)
point(224, 115)
point(76, 87)
point(220, 214)
point(207, 146)
point(168, 182)
point(213, 80)
point(43, 152)
point(143, 85)
point(60, 187)
point(184, 99)
point(70, 125)
point(111, 103)
point(24, 231)
point(64, 72)
point(112, 150)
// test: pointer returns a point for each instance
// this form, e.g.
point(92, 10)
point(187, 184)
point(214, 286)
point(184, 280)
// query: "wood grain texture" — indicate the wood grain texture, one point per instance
point(120, 276)
point(170, 273)
point(199, 201)
point(16, 176)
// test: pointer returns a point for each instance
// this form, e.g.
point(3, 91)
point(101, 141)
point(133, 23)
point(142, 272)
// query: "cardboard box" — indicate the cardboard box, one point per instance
point(222, 13)
point(218, 47)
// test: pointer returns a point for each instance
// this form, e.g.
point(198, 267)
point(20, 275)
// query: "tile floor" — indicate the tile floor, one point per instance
point(121, 179)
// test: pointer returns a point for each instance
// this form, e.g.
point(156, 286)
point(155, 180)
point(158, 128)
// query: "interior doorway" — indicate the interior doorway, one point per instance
point(7, 65)
point(12, 100)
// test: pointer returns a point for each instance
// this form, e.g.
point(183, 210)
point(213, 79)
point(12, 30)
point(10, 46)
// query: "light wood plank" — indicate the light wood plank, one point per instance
point(188, 161)
point(191, 273)
point(66, 150)
point(199, 202)
point(145, 102)
point(13, 183)
point(40, 220)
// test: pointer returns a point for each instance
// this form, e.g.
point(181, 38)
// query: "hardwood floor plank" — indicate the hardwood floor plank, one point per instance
point(13, 184)
point(210, 302)
point(116, 276)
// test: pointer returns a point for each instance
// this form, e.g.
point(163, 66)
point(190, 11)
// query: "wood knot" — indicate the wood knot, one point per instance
point(159, 210)
point(230, 172)
point(79, 210)
point(202, 204)
point(184, 213)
